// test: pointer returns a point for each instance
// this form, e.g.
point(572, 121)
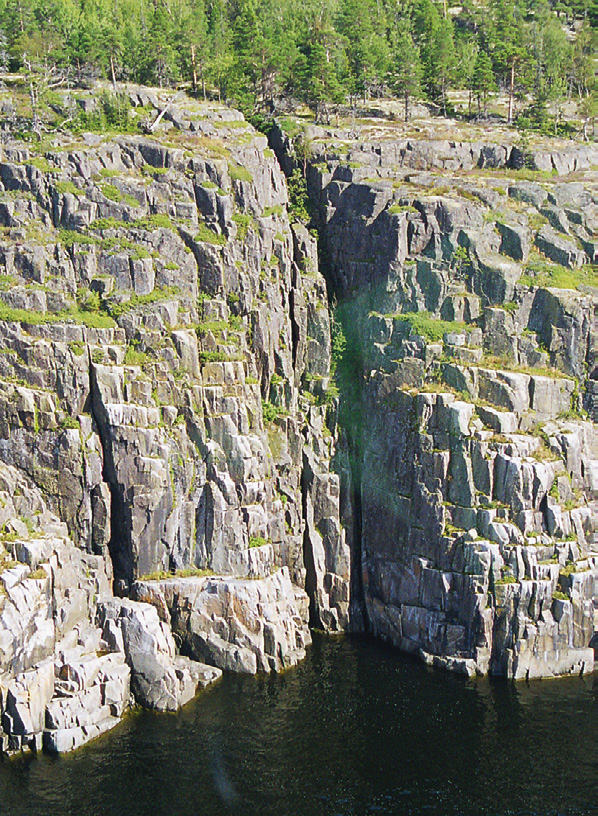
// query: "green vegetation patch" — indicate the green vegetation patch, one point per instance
point(539, 272)
point(258, 541)
point(187, 572)
point(68, 187)
point(106, 173)
point(506, 579)
point(111, 192)
point(150, 170)
point(134, 357)
point(41, 164)
point(397, 209)
point(275, 210)
point(71, 238)
point(244, 224)
point(6, 282)
point(218, 357)
point(239, 173)
point(148, 223)
point(38, 574)
point(208, 236)
point(90, 319)
point(271, 412)
point(214, 326)
point(432, 328)
point(557, 595)
point(136, 301)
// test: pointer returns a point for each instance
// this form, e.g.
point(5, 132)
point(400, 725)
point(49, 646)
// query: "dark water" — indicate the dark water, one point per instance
point(356, 729)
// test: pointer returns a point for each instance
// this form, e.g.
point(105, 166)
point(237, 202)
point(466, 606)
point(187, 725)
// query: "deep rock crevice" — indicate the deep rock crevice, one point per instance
point(119, 541)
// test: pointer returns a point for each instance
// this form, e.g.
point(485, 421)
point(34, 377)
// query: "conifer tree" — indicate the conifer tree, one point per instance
point(319, 67)
point(405, 77)
point(483, 79)
point(443, 59)
point(220, 46)
point(366, 48)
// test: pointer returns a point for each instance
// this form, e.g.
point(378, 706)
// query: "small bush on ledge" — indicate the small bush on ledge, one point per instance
point(258, 541)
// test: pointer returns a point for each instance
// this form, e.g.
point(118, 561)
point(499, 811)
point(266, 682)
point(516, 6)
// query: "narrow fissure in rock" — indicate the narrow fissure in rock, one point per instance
point(119, 543)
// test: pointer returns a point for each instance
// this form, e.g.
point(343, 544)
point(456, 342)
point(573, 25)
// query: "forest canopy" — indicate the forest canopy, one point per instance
point(254, 53)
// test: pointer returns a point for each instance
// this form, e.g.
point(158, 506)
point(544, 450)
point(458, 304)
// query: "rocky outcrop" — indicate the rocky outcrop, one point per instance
point(160, 678)
point(466, 352)
point(165, 369)
point(239, 625)
point(200, 458)
point(71, 654)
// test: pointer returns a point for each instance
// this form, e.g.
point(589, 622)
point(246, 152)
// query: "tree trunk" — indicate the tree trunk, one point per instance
point(511, 93)
point(112, 73)
point(194, 69)
point(406, 106)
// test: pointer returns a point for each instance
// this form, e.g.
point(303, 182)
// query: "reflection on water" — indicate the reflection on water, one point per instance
point(356, 729)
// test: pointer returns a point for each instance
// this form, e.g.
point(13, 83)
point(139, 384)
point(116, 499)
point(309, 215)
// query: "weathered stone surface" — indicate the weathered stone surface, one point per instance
point(516, 241)
point(461, 536)
point(235, 624)
point(559, 248)
point(159, 679)
point(198, 429)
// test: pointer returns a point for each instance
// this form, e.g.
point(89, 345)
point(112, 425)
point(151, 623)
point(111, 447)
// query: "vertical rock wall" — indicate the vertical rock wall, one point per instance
point(177, 468)
point(165, 359)
point(469, 334)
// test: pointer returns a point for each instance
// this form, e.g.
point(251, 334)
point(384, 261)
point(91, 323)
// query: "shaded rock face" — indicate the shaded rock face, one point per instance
point(474, 509)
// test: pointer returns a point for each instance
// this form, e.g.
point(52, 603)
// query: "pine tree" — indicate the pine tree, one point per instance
point(366, 47)
point(406, 72)
point(509, 46)
point(190, 38)
point(483, 79)
point(220, 46)
point(443, 59)
point(319, 67)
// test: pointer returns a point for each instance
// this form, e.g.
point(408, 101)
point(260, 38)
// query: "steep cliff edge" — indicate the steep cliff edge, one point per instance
point(467, 294)
point(199, 458)
point(164, 334)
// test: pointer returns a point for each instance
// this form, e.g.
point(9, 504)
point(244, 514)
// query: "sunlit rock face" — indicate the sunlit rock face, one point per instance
point(199, 454)
point(165, 338)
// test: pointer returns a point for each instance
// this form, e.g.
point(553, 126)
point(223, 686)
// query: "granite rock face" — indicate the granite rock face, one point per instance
point(160, 679)
point(198, 454)
point(472, 460)
point(166, 357)
point(236, 624)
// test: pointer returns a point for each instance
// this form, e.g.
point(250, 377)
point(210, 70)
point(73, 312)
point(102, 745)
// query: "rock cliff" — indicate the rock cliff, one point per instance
point(159, 316)
point(200, 457)
point(468, 297)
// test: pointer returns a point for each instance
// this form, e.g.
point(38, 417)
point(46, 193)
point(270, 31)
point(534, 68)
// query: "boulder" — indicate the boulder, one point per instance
point(159, 680)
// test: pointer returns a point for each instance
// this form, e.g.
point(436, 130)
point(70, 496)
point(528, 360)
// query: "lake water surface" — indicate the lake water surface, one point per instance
point(355, 729)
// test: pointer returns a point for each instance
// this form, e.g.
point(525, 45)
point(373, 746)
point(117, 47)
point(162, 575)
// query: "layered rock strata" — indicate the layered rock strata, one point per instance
point(165, 352)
